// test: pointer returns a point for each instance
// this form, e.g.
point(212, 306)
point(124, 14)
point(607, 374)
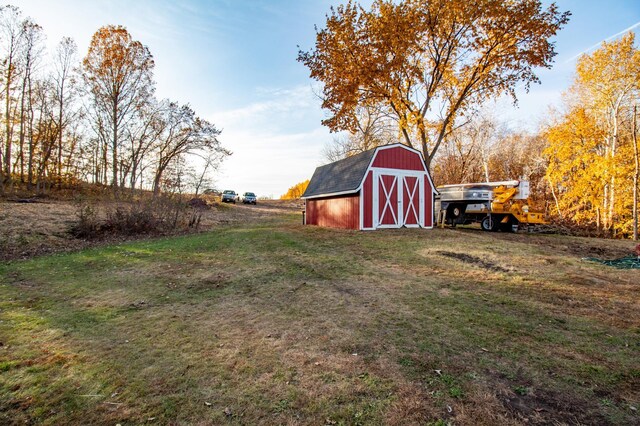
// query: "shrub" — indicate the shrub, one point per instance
point(87, 225)
point(160, 215)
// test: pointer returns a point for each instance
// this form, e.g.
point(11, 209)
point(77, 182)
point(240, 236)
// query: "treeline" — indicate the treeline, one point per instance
point(95, 119)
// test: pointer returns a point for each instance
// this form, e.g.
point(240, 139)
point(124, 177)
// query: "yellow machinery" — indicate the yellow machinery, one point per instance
point(504, 202)
point(495, 205)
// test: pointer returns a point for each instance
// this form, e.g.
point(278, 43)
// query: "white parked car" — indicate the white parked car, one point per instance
point(249, 198)
point(229, 196)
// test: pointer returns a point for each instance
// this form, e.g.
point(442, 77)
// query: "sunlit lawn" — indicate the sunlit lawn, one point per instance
point(276, 323)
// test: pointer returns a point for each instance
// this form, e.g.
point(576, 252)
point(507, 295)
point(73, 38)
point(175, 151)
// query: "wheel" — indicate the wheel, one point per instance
point(455, 211)
point(489, 224)
point(455, 215)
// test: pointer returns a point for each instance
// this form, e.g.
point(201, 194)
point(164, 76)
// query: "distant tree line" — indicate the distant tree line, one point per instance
point(66, 120)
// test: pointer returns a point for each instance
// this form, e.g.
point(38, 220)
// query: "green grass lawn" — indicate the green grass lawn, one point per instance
point(276, 323)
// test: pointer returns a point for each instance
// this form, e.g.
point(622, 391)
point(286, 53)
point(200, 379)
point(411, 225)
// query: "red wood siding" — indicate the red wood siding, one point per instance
point(398, 158)
point(367, 197)
point(335, 212)
point(428, 202)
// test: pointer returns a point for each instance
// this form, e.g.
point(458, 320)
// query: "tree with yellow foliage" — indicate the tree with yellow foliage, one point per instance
point(575, 169)
point(296, 191)
point(590, 149)
point(428, 61)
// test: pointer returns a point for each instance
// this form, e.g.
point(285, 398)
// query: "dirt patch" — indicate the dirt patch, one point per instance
point(526, 402)
point(344, 290)
point(591, 247)
point(214, 281)
point(577, 246)
point(543, 407)
point(467, 258)
point(599, 248)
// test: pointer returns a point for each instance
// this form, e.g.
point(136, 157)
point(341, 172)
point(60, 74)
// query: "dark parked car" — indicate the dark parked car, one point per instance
point(249, 198)
point(229, 196)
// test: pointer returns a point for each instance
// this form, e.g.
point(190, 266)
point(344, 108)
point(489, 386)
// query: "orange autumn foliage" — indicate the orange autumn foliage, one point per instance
point(426, 62)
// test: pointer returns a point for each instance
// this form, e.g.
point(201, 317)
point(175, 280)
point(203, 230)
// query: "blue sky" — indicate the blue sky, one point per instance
point(234, 61)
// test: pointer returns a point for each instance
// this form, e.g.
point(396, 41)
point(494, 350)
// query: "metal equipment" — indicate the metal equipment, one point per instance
point(495, 205)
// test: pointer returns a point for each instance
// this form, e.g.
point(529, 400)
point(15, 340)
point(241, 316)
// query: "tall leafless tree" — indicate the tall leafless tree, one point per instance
point(12, 34)
point(119, 74)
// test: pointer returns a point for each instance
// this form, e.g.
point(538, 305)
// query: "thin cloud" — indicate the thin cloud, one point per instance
point(296, 101)
point(574, 57)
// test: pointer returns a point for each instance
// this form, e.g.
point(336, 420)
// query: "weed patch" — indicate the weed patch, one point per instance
point(467, 258)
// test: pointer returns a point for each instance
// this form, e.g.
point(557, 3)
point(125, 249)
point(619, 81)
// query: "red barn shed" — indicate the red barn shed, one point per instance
point(385, 187)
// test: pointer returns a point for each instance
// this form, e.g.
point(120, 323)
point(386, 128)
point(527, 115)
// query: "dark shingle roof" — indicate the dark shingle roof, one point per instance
point(340, 176)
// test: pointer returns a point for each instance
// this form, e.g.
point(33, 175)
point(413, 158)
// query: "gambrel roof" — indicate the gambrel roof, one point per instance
point(342, 176)
point(346, 176)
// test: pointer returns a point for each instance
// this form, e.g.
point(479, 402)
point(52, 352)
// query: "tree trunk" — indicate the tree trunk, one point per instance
point(156, 183)
point(105, 161)
point(32, 146)
point(636, 175)
point(612, 191)
point(21, 132)
point(60, 115)
point(7, 116)
point(133, 176)
point(31, 143)
point(115, 149)
point(1, 174)
point(158, 177)
point(605, 207)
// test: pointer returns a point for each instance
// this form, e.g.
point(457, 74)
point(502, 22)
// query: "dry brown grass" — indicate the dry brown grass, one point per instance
point(264, 321)
point(43, 226)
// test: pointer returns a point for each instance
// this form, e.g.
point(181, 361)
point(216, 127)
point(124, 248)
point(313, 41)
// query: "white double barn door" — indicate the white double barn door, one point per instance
point(398, 199)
